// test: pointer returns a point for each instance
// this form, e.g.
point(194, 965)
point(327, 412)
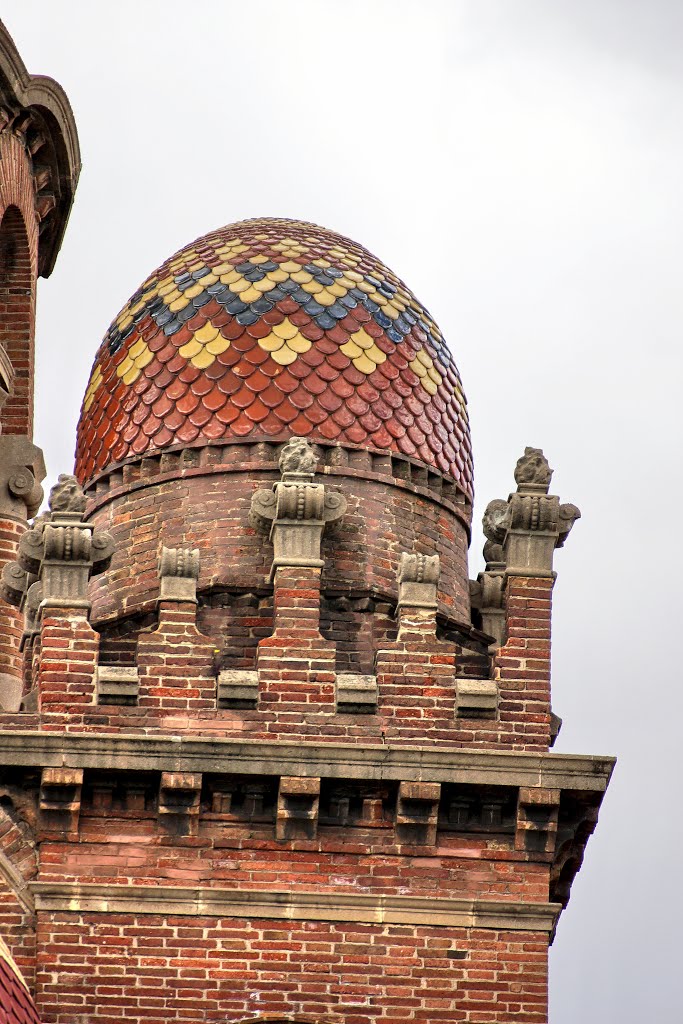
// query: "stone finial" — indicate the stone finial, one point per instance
point(67, 495)
point(58, 555)
point(296, 510)
point(418, 578)
point(22, 467)
point(297, 459)
point(533, 471)
point(178, 574)
point(527, 527)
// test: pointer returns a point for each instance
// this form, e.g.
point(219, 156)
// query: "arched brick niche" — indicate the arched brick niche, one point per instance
point(17, 300)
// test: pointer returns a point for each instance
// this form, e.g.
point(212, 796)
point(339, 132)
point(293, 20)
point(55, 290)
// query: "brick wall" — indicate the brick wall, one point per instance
point(98, 968)
point(197, 498)
point(18, 271)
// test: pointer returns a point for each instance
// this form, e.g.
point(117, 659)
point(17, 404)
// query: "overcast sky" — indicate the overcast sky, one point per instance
point(519, 164)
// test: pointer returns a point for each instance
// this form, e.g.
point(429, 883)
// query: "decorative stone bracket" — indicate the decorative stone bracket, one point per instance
point(60, 799)
point(178, 574)
point(418, 578)
point(22, 468)
point(237, 688)
point(296, 510)
point(537, 815)
point(417, 812)
point(297, 808)
point(117, 684)
point(476, 698)
point(57, 556)
point(179, 800)
point(357, 693)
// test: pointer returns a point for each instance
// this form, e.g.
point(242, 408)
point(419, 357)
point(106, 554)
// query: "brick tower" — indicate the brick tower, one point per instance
point(274, 757)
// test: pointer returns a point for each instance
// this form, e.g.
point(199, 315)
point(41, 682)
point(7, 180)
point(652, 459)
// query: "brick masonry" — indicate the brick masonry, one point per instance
point(267, 765)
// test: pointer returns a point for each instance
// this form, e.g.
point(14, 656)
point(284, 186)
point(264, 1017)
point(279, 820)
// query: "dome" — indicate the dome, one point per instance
point(270, 328)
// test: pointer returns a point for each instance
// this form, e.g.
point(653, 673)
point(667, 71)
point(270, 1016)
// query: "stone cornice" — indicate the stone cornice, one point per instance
point(131, 752)
point(111, 484)
point(295, 906)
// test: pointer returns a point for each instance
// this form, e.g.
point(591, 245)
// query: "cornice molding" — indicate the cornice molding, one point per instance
point(252, 904)
point(133, 752)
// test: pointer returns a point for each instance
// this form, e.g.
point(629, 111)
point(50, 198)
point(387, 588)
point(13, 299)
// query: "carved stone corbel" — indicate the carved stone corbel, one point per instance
point(297, 510)
point(418, 579)
point(22, 468)
point(178, 574)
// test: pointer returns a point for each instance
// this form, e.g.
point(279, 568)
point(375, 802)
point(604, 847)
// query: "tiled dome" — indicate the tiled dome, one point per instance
point(266, 329)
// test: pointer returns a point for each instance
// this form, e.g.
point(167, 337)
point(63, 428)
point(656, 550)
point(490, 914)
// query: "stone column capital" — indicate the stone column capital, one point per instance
point(523, 532)
point(178, 574)
point(297, 509)
point(59, 553)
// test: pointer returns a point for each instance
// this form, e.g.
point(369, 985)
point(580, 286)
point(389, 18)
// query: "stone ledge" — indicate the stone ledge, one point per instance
point(282, 905)
point(130, 752)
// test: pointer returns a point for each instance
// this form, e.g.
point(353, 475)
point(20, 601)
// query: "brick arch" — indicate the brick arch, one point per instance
point(18, 865)
point(17, 299)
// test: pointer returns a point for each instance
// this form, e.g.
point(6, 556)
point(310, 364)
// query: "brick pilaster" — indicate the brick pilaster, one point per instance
point(67, 659)
point(296, 665)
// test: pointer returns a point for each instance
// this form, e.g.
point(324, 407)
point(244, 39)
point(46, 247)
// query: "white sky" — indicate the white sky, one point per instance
point(518, 163)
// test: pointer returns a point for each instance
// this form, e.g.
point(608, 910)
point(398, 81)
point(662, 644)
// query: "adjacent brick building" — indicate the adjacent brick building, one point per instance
point(267, 753)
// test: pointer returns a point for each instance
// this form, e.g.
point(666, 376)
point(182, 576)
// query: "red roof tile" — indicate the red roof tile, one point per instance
point(270, 327)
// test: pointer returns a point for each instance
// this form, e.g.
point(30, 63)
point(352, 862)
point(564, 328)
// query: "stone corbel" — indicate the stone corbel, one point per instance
point(60, 800)
point(418, 579)
point(179, 802)
point(297, 510)
point(417, 813)
point(297, 808)
point(178, 574)
point(537, 817)
point(22, 468)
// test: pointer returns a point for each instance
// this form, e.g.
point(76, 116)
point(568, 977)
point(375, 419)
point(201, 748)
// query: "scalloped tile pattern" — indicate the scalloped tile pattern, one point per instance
point(269, 328)
point(16, 1005)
